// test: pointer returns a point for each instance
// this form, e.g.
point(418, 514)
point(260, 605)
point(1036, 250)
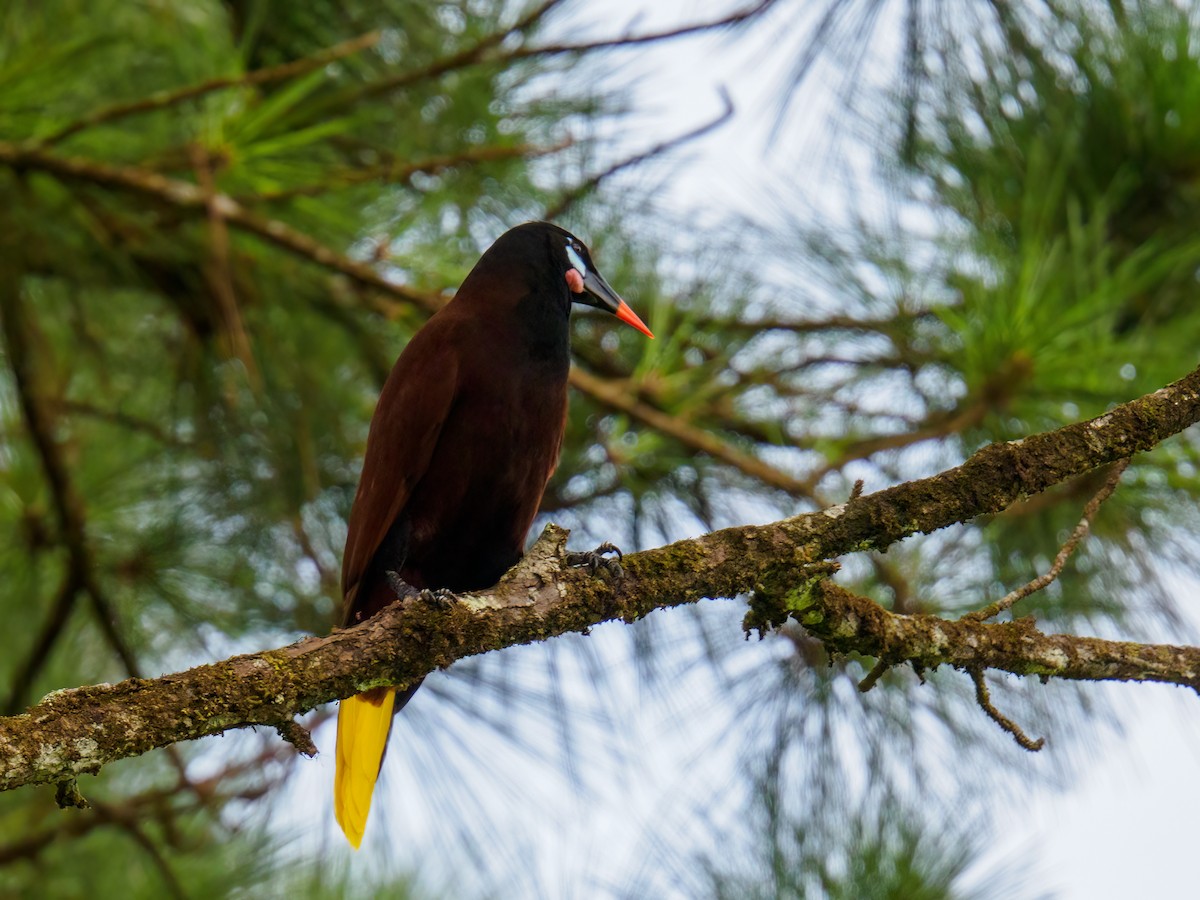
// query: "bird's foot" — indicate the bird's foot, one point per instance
point(594, 560)
point(403, 589)
point(439, 599)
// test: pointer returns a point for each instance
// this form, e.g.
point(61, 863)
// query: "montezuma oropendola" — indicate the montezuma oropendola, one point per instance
point(464, 438)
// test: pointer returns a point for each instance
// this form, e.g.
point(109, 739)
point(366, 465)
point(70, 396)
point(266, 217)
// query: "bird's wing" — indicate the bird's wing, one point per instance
point(412, 408)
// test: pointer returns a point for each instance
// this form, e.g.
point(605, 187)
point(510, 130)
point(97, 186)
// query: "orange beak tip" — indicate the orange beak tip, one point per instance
point(629, 317)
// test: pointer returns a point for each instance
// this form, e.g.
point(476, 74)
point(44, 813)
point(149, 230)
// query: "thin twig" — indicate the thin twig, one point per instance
point(402, 173)
point(329, 579)
point(572, 196)
point(617, 397)
point(56, 621)
point(219, 272)
point(164, 99)
point(110, 626)
point(185, 195)
point(903, 600)
point(67, 796)
point(469, 56)
point(633, 40)
point(298, 736)
point(134, 829)
point(124, 420)
point(935, 427)
point(1064, 553)
point(481, 51)
point(22, 358)
point(983, 698)
point(887, 325)
point(161, 804)
point(877, 671)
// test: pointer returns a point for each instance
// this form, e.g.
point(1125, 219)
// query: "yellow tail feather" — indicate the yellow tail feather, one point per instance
point(362, 732)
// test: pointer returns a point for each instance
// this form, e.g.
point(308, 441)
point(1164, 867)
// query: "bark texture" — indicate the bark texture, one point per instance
point(782, 566)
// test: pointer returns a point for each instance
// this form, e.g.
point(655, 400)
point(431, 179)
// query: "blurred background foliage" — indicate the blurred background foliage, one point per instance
point(220, 221)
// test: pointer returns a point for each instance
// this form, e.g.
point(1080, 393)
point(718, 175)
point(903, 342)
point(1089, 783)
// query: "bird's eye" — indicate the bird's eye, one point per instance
point(574, 257)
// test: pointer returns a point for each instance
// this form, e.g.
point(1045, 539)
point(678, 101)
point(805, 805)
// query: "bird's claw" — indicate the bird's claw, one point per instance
point(439, 599)
point(594, 560)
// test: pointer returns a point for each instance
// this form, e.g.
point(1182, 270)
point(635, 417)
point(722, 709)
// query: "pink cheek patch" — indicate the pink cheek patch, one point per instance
point(575, 281)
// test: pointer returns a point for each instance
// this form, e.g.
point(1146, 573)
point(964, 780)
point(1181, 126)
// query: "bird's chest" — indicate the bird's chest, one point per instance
point(509, 429)
point(498, 448)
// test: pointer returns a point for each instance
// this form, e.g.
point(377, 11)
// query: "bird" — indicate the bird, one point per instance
point(465, 436)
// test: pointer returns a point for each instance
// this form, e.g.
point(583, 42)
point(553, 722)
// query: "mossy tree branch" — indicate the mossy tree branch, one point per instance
point(783, 566)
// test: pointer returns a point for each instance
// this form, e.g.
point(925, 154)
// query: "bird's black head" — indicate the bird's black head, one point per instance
point(552, 258)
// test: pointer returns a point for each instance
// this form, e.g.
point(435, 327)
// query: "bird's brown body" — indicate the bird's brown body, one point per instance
point(465, 436)
point(468, 435)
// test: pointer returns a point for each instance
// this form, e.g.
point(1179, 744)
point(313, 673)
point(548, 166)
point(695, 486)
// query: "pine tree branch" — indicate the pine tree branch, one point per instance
point(188, 196)
point(491, 48)
point(588, 185)
point(163, 99)
point(653, 37)
point(616, 396)
point(401, 172)
point(781, 564)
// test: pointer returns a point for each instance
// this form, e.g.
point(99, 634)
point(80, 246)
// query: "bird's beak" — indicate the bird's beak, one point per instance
point(596, 292)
